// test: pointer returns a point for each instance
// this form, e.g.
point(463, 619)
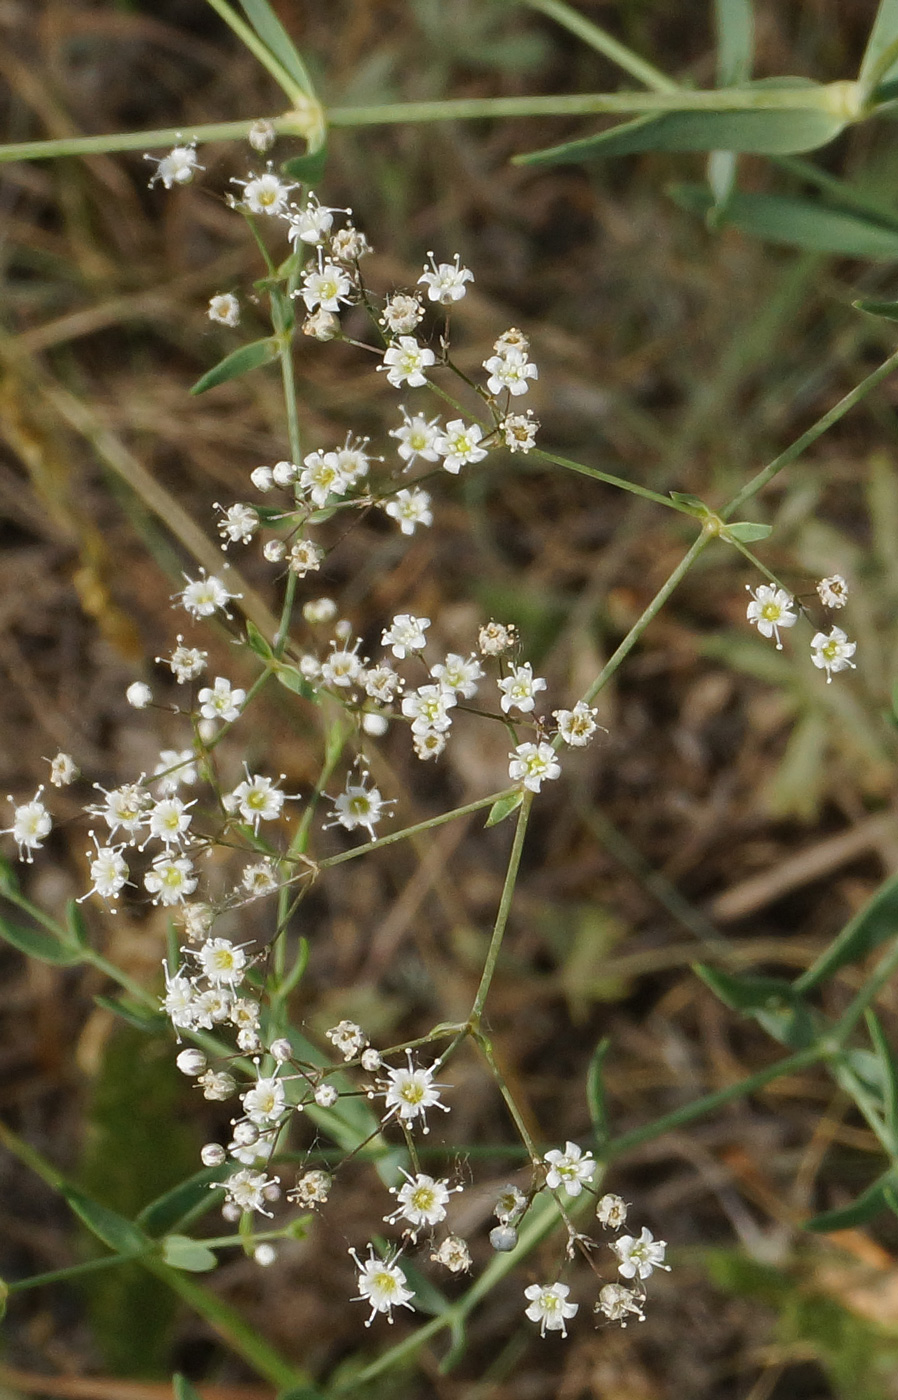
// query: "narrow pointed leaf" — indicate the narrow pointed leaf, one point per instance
point(308, 168)
point(258, 352)
point(870, 927)
point(503, 808)
point(595, 1094)
point(76, 924)
point(735, 41)
point(888, 310)
point(141, 1017)
point(871, 1202)
point(257, 642)
point(181, 1252)
point(275, 37)
point(883, 33)
point(692, 504)
point(295, 681)
point(747, 531)
point(799, 223)
point(38, 944)
point(110, 1227)
point(182, 1388)
point(772, 1001)
point(169, 1209)
point(889, 1070)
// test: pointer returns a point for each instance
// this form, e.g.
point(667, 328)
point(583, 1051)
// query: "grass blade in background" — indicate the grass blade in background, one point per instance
point(799, 223)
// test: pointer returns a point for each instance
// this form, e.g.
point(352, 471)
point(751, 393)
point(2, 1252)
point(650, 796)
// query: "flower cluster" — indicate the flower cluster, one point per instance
point(772, 609)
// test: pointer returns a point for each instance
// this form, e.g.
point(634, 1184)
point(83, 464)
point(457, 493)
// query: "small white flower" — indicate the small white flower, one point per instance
point(257, 800)
point(31, 825)
point(349, 244)
point(410, 509)
point(617, 1302)
point(177, 168)
point(510, 1205)
point(247, 1189)
point(260, 879)
point(175, 766)
point(549, 1307)
point(124, 807)
point(417, 437)
point(139, 695)
point(325, 1095)
point(428, 709)
point(348, 1038)
point(321, 325)
point(212, 1154)
point(770, 609)
point(203, 596)
point(495, 638)
point(264, 1255)
point(108, 872)
point(221, 701)
point(319, 610)
point(265, 194)
point(221, 961)
point(445, 283)
point(611, 1212)
point(264, 1101)
point(261, 135)
point(382, 683)
point(458, 673)
point(410, 1092)
point(453, 1254)
point(401, 313)
point(186, 662)
point(63, 770)
point(168, 821)
point(638, 1257)
point(570, 1168)
point(217, 1085)
point(311, 1189)
point(382, 1284)
point(578, 725)
point(305, 558)
point(833, 592)
point(313, 223)
point(343, 666)
point(359, 805)
point(321, 477)
point(510, 371)
point(284, 473)
point(406, 361)
point(239, 524)
point(519, 431)
point(520, 688)
point(459, 445)
point(170, 879)
point(371, 1060)
point(405, 634)
point(191, 1062)
point(422, 1201)
point(326, 287)
point(224, 308)
point(430, 743)
point(832, 653)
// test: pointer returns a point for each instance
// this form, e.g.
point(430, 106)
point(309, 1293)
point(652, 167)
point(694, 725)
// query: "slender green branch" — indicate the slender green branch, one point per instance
point(815, 431)
point(250, 39)
point(511, 875)
point(140, 140)
point(619, 481)
point(390, 837)
point(89, 1266)
point(883, 973)
point(612, 48)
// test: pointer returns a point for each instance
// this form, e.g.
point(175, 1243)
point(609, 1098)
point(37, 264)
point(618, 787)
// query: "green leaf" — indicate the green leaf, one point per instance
point(870, 927)
point(37, 944)
point(758, 131)
point(133, 1012)
point(182, 1388)
point(888, 1066)
point(871, 1202)
point(308, 168)
point(503, 808)
point(76, 924)
point(182, 1200)
point(747, 531)
point(595, 1094)
point(692, 504)
point(181, 1252)
point(735, 41)
point(110, 1227)
point(257, 642)
point(293, 680)
point(801, 223)
point(883, 33)
point(887, 309)
point(258, 352)
point(275, 37)
point(772, 1001)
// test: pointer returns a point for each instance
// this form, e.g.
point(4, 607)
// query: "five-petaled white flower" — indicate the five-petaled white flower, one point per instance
point(405, 362)
point(459, 445)
point(445, 283)
point(382, 1284)
point(832, 653)
point(531, 764)
point(770, 609)
point(326, 287)
point(205, 595)
point(638, 1257)
point(177, 168)
point(833, 592)
point(422, 1201)
point(410, 1092)
point(31, 825)
point(519, 689)
point(570, 1168)
point(410, 509)
point(549, 1307)
point(265, 194)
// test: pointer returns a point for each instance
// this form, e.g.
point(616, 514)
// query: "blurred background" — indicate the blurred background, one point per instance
point(737, 810)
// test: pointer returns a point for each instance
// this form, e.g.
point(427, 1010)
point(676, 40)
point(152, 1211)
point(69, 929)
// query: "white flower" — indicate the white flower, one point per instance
point(168, 820)
point(406, 362)
point(221, 961)
point(578, 725)
point(170, 879)
point(548, 1307)
point(445, 283)
point(519, 431)
point(265, 194)
point(221, 701)
point(460, 444)
point(639, 1257)
point(348, 1038)
point(519, 689)
point(429, 744)
point(305, 558)
point(177, 168)
point(284, 473)
point(382, 683)
point(124, 807)
point(352, 460)
point(422, 1201)
point(239, 524)
point(510, 371)
point(203, 596)
point(611, 1212)
point(217, 1085)
point(770, 609)
point(191, 1062)
point(139, 695)
point(313, 223)
point(264, 1101)
point(458, 673)
point(410, 509)
point(494, 638)
point(261, 135)
point(832, 653)
point(512, 339)
point(311, 1189)
point(175, 766)
point(833, 592)
point(359, 805)
point(224, 308)
point(382, 1284)
point(453, 1254)
point(416, 437)
point(616, 1302)
point(321, 477)
point(108, 872)
point(247, 1189)
point(325, 1095)
point(31, 825)
point(179, 1002)
point(371, 1060)
point(406, 634)
point(63, 770)
point(186, 662)
point(326, 287)
point(319, 610)
point(570, 1168)
point(256, 800)
point(349, 244)
point(260, 879)
point(427, 708)
point(343, 666)
point(401, 313)
point(410, 1092)
point(321, 325)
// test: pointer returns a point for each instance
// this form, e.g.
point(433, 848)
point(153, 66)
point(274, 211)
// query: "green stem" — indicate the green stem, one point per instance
point(511, 875)
point(691, 1111)
point(285, 125)
point(597, 38)
point(250, 39)
point(392, 836)
point(866, 996)
point(611, 480)
point(816, 430)
point(486, 1050)
point(63, 1275)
